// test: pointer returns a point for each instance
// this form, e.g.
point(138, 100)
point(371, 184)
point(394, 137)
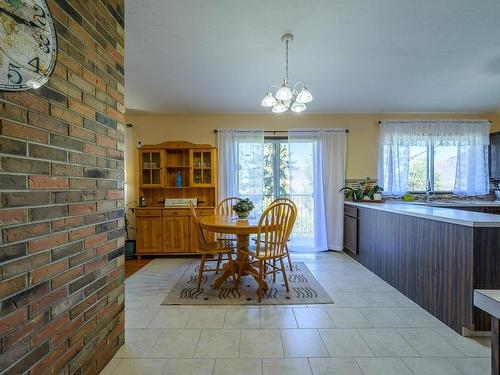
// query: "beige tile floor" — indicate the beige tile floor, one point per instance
point(372, 329)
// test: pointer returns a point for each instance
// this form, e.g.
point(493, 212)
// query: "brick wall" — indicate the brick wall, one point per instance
point(61, 196)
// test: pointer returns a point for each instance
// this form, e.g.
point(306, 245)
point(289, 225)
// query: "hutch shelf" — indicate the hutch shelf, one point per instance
point(173, 170)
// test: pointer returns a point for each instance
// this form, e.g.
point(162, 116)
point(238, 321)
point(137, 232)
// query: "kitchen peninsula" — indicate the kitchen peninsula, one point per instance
point(435, 256)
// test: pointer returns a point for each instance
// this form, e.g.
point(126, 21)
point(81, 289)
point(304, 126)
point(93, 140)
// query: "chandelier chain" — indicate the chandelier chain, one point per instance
point(286, 61)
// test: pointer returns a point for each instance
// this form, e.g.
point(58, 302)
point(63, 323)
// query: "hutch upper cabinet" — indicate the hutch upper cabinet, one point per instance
point(173, 170)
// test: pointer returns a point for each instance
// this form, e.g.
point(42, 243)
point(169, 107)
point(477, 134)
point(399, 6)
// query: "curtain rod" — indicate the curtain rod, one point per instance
point(437, 120)
point(291, 131)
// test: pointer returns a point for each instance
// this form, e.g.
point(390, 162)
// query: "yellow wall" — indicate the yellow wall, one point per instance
point(362, 144)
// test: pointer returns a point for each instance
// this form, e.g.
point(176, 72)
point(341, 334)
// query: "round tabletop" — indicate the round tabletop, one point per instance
point(230, 224)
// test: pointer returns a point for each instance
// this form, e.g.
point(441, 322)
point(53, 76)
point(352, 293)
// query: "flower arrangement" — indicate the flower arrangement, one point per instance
point(243, 207)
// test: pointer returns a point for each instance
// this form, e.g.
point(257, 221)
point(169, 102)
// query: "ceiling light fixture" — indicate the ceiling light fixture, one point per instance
point(287, 98)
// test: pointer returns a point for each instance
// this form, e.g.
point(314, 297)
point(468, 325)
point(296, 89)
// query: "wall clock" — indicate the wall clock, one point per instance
point(28, 44)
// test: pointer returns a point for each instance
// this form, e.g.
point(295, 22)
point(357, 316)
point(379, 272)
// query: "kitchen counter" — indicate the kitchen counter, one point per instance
point(489, 301)
point(435, 256)
point(446, 214)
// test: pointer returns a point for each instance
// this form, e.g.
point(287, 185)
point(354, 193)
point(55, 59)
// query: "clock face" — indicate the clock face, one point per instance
point(28, 45)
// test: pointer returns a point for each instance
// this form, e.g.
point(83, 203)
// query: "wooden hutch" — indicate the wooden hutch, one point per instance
point(170, 230)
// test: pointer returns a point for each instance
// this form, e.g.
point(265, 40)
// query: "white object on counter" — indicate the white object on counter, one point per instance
point(488, 300)
point(447, 215)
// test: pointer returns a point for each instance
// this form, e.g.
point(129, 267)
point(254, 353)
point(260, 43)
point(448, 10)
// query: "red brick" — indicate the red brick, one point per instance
point(95, 80)
point(24, 330)
point(48, 300)
point(23, 232)
point(95, 263)
point(115, 115)
point(48, 271)
point(63, 224)
point(115, 94)
point(28, 100)
point(48, 242)
point(80, 233)
point(115, 194)
point(68, 62)
point(13, 217)
point(12, 286)
point(66, 277)
point(93, 149)
point(81, 108)
point(104, 140)
point(47, 122)
point(11, 321)
point(28, 133)
point(82, 332)
point(81, 208)
point(115, 154)
point(63, 333)
point(66, 357)
point(41, 182)
point(43, 367)
point(106, 248)
point(95, 240)
point(65, 115)
point(49, 329)
point(81, 133)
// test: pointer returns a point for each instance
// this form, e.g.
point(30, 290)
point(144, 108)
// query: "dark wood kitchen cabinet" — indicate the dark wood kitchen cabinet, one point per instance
point(351, 229)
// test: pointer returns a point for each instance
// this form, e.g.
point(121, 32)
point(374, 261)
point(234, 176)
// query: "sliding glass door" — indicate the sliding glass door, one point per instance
point(288, 172)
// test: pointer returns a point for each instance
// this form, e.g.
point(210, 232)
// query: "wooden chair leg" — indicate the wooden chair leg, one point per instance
point(284, 274)
point(200, 272)
point(288, 256)
point(260, 290)
point(274, 270)
point(219, 259)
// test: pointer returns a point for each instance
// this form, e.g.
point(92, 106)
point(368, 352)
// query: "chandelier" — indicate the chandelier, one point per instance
point(287, 97)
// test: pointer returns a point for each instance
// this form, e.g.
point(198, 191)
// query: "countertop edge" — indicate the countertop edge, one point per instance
point(487, 303)
point(476, 220)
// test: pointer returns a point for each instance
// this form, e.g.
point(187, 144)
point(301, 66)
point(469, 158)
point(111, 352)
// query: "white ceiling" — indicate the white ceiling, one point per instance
point(354, 55)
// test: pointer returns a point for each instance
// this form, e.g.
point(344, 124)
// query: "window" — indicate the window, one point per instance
point(452, 156)
point(433, 163)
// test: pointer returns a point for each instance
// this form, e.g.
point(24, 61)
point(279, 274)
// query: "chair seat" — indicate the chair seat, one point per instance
point(215, 248)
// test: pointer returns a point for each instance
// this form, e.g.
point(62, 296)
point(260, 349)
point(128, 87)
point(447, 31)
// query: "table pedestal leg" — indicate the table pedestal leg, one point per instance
point(242, 263)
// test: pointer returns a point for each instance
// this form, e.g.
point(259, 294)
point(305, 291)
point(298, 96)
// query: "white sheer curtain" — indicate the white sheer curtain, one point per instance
point(241, 164)
point(317, 172)
point(471, 137)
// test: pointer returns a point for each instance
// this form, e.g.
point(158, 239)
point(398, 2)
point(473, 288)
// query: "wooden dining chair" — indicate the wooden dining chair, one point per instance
point(212, 251)
point(287, 200)
point(273, 231)
point(225, 207)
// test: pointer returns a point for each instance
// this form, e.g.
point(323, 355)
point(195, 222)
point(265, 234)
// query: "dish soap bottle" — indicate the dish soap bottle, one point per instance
point(179, 179)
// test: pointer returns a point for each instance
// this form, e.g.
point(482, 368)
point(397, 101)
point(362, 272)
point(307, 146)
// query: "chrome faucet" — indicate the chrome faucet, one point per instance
point(428, 192)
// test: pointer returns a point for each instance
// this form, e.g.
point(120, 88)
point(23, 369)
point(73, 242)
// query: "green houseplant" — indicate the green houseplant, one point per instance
point(352, 194)
point(376, 193)
point(243, 207)
point(129, 244)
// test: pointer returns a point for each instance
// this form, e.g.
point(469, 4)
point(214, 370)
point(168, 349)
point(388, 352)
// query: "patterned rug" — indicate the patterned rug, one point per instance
point(304, 289)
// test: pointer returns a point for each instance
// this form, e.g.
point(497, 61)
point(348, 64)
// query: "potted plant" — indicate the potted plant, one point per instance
point(352, 194)
point(243, 207)
point(376, 193)
point(129, 244)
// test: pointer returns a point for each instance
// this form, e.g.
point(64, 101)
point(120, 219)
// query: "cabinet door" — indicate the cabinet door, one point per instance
point(175, 234)
point(351, 234)
point(151, 166)
point(202, 163)
point(148, 234)
point(495, 156)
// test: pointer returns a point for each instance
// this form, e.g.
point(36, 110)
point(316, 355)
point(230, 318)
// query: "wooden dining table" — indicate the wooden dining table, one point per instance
point(242, 229)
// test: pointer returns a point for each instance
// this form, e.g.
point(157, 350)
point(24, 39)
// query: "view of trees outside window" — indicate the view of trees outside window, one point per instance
point(442, 171)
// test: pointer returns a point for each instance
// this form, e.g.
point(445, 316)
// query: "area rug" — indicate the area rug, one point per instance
point(304, 289)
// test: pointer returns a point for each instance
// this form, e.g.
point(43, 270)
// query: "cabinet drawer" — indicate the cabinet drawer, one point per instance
point(179, 212)
point(152, 212)
point(350, 211)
